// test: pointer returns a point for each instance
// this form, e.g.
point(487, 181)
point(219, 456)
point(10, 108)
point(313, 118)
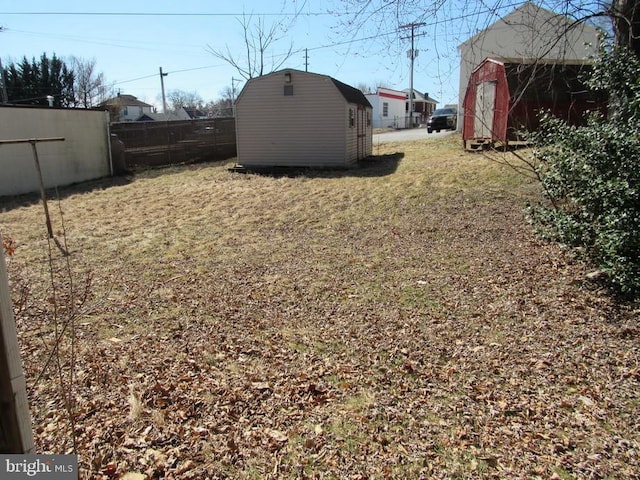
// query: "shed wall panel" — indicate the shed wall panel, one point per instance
point(84, 154)
point(396, 110)
point(309, 125)
point(306, 128)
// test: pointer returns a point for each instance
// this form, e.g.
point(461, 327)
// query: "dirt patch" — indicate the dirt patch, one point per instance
point(384, 322)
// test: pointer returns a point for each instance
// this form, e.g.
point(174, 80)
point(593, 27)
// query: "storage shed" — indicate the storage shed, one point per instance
point(504, 98)
point(300, 119)
point(528, 32)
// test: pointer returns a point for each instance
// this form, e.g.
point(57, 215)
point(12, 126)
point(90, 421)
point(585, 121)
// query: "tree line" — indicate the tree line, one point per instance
point(76, 83)
point(54, 81)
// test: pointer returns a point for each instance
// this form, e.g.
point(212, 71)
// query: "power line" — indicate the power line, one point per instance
point(306, 51)
point(166, 73)
point(109, 42)
point(167, 14)
point(332, 45)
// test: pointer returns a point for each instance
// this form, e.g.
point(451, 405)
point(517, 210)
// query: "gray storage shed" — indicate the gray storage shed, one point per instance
point(300, 119)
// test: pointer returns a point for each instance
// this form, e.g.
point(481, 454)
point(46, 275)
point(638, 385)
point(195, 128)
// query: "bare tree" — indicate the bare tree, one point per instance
point(228, 95)
point(626, 21)
point(223, 106)
point(90, 87)
point(368, 87)
point(259, 39)
point(376, 26)
point(179, 99)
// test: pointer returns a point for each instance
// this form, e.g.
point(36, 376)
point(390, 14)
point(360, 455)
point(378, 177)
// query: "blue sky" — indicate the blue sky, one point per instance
point(129, 49)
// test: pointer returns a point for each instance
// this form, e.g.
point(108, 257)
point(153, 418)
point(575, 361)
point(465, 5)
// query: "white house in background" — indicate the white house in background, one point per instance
point(529, 32)
point(126, 108)
point(423, 105)
point(301, 119)
point(389, 108)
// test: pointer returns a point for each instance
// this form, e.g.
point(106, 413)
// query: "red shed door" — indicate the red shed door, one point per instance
point(485, 106)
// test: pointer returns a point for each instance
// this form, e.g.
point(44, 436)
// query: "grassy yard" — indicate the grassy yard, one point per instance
point(395, 321)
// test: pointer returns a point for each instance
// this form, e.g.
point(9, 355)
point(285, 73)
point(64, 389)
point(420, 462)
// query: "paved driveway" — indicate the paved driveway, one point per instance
point(407, 135)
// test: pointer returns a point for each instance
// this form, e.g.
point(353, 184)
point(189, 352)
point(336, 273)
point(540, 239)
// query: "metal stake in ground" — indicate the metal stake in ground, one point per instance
point(43, 195)
point(33, 142)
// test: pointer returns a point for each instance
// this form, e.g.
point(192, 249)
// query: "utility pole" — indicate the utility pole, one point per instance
point(412, 54)
point(164, 99)
point(306, 59)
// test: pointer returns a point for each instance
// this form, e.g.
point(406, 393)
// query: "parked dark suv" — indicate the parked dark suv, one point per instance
point(442, 119)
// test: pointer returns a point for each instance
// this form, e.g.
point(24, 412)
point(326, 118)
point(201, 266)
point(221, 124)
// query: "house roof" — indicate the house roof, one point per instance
point(125, 100)
point(420, 97)
point(157, 117)
point(538, 61)
point(194, 112)
point(528, 14)
point(350, 94)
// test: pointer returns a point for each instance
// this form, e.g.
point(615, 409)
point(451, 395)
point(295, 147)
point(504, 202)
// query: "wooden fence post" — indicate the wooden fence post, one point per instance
point(16, 435)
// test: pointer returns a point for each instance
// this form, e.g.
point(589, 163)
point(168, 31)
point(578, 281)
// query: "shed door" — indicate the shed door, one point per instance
point(361, 125)
point(485, 106)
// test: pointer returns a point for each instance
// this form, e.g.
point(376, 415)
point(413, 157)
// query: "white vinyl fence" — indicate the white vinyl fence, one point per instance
point(83, 155)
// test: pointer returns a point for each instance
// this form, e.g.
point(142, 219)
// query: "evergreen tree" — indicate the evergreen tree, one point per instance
point(31, 82)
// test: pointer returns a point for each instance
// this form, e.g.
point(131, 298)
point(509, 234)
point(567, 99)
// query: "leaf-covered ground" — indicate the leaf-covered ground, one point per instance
point(400, 320)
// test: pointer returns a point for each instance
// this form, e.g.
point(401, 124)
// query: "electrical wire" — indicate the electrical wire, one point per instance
point(171, 14)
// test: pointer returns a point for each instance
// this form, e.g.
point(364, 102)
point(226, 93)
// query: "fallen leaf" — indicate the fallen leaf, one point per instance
point(277, 435)
point(133, 476)
point(185, 467)
point(260, 386)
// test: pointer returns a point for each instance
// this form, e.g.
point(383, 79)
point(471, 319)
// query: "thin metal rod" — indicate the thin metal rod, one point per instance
point(42, 191)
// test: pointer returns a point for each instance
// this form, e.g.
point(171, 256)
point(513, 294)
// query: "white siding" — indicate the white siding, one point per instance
point(396, 109)
point(129, 113)
point(529, 32)
point(84, 154)
point(306, 128)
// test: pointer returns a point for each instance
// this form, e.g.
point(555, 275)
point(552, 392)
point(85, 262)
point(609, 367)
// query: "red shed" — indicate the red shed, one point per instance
point(504, 97)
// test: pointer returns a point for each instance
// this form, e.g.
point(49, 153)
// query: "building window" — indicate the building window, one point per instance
point(288, 90)
point(124, 111)
point(368, 119)
point(385, 109)
point(352, 118)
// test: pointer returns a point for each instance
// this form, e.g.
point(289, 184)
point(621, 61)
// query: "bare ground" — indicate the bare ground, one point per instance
point(400, 320)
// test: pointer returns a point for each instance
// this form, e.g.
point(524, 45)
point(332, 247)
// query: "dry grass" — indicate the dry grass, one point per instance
point(399, 320)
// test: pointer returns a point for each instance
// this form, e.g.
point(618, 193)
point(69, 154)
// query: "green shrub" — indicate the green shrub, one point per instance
point(591, 175)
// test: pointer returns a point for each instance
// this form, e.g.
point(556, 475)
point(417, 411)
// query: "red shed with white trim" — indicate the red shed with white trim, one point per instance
point(504, 98)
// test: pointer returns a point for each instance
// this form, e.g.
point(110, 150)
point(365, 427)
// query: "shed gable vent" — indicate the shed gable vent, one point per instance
point(288, 90)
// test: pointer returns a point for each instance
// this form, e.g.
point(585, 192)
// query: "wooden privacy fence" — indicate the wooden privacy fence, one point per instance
point(174, 142)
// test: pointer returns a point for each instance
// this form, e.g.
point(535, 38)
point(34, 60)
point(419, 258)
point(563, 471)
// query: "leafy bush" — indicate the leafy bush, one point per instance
point(591, 175)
